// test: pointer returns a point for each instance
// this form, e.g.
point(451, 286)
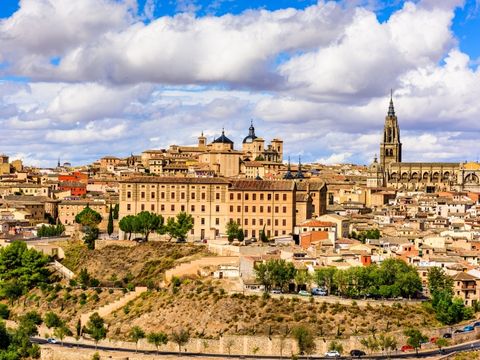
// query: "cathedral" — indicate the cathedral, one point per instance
point(430, 177)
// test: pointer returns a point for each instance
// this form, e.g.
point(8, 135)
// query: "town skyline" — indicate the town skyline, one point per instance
point(87, 91)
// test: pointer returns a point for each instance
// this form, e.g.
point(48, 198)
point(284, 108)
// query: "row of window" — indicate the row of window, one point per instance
point(261, 222)
point(261, 196)
point(260, 208)
point(172, 208)
point(143, 195)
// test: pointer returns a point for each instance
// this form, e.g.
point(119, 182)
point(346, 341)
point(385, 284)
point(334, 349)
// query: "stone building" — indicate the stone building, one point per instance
point(214, 201)
point(391, 171)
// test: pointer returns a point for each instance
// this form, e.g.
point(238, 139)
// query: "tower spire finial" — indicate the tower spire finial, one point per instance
point(391, 109)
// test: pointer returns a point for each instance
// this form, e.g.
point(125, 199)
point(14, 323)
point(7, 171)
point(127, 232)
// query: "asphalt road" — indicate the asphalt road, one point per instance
point(424, 354)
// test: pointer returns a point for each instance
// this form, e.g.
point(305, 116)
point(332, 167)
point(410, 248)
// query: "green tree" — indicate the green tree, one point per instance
point(305, 339)
point(415, 338)
point(96, 328)
point(128, 225)
point(179, 227)
point(240, 235)
point(232, 230)
point(276, 272)
point(387, 343)
point(52, 320)
point(263, 235)
point(4, 312)
point(116, 209)
point(181, 338)
point(439, 281)
point(110, 221)
point(324, 278)
point(51, 230)
point(89, 219)
point(147, 222)
point(441, 343)
point(335, 346)
point(157, 339)
point(136, 334)
point(370, 343)
point(61, 331)
point(302, 278)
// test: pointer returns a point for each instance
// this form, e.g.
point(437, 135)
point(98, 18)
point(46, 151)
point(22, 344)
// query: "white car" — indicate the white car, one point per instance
point(332, 354)
point(51, 341)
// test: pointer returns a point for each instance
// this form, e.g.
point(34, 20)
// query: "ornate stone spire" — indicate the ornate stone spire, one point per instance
point(391, 109)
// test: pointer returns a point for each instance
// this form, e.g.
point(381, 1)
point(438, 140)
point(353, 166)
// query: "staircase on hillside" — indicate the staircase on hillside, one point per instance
point(114, 306)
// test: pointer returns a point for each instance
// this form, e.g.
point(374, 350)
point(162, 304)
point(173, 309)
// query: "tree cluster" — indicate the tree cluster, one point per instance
point(234, 231)
point(89, 219)
point(393, 278)
point(366, 234)
point(21, 269)
point(50, 230)
point(15, 343)
point(146, 223)
point(448, 310)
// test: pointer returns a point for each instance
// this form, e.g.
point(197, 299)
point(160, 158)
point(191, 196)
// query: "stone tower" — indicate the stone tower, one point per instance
point(390, 147)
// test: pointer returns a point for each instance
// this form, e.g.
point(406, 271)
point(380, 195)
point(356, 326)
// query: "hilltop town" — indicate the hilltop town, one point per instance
point(249, 226)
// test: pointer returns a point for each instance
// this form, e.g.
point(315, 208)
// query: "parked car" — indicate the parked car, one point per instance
point(468, 328)
point(447, 336)
point(405, 348)
point(181, 241)
point(332, 353)
point(477, 324)
point(433, 340)
point(357, 353)
point(303, 293)
point(319, 292)
point(275, 291)
point(458, 331)
point(51, 341)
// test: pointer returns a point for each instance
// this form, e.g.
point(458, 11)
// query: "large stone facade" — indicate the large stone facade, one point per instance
point(417, 176)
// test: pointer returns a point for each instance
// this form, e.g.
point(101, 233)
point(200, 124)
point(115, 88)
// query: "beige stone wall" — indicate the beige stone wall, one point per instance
point(193, 267)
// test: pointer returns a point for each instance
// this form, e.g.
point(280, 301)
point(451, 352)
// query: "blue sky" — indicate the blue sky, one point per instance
point(117, 76)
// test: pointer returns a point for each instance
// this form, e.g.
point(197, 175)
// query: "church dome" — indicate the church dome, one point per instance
point(251, 135)
point(222, 139)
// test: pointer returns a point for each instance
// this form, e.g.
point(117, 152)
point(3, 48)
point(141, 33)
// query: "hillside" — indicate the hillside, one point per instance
point(208, 311)
point(139, 264)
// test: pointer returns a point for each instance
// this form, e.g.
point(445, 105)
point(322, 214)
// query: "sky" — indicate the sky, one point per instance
point(81, 79)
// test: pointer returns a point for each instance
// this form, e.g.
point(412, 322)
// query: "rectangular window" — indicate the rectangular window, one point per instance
point(203, 208)
point(276, 222)
point(182, 208)
point(276, 209)
point(152, 207)
point(284, 222)
point(254, 197)
point(269, 209)
point(253, 233)
point(269, 222)
point(142, 207)
point(162, 207)
point(261, 209)
point(172, 195)
point(204, 196)
point(246, 196)
point(284, 209)
point(217, 196)
point(246, 209)
point(192, 208)
point(261, 222)
point(239, 208)
point(193, 196)
point(254, 221)
point(217, 208)
point(254, 209)
point(182, 196)
point(129, 207)
point(129, 195)
point(277, 197)
point(246, 221)
point(231, 196)
point(217, 221)
point(172, 207)
point(269, 196)
point(202, 221)
point(239, 196)
point(285, 197)
point(231, 208)
point(152, 195)
point(162, 195)
point(261, 197)
point(276, 232)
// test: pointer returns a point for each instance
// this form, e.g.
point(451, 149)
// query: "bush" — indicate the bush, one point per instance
point(4, 312)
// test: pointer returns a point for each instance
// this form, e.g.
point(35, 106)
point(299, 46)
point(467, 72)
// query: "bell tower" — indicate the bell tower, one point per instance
point(390, 147)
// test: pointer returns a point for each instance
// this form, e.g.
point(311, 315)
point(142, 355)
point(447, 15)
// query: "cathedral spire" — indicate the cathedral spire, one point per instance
point(391, 109)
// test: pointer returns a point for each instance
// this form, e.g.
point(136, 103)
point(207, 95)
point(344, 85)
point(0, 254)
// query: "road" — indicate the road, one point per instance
point(424, 354)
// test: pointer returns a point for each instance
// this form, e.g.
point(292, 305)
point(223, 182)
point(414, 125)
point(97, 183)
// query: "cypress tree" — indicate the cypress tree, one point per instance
point(110, 222)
